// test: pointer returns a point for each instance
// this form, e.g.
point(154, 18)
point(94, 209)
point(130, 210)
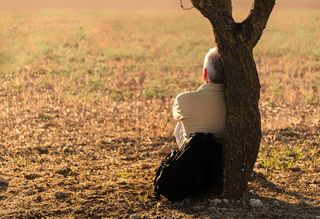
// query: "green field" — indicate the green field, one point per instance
point(85, 110)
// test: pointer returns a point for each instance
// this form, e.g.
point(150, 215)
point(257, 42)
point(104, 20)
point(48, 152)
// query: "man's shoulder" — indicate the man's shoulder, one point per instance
point(186, 95)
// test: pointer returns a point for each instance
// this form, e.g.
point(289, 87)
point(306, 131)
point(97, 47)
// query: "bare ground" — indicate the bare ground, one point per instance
point(63, 158)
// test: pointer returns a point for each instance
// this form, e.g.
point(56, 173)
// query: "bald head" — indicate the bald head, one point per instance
point(212, 66)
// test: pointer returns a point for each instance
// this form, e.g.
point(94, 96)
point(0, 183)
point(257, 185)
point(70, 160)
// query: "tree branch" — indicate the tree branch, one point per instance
point(250, 30)
point(219, 13)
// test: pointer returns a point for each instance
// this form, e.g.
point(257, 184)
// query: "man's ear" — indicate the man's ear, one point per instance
point(205, 74)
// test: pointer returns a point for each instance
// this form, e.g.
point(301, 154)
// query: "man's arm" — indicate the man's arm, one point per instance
point(177, 115)
point(178, 134)
point(176, 110)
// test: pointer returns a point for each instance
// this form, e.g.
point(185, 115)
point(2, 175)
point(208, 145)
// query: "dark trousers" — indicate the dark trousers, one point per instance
point(207, 149)
point(214, 185)
point(195, 169)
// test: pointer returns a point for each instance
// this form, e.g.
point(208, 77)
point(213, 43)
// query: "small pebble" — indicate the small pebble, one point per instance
point(198, 208)
point(256, 203)
point(68, 150)
point(158, 205)
point(133, 216)
point(216, 201)
point(259, 166)
point(225, 200)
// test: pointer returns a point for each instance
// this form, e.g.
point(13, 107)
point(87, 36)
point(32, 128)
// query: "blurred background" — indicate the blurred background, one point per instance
point(132, 5)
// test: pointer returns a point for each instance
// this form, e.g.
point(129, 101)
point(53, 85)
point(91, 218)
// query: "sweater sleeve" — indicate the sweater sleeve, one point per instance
point(176, 109)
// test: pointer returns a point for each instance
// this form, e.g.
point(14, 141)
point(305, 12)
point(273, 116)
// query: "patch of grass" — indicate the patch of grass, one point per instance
point(16, 85)
point(45, 116)
point(21, 161)
point(97, 84)
point(116, 95)
point(276, 90)
point(123, 175)
point(280, 157)
point(125, 54)
point(154, 90)
point(4, 58)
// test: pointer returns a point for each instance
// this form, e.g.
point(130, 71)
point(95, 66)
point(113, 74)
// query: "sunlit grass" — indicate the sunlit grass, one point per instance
point(97, 53)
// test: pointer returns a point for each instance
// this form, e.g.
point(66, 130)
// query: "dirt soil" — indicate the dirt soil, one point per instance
point(63, 159)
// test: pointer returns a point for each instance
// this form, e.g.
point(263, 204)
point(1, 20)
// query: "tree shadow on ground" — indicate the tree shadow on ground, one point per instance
point(271, 187)
point(272, 207)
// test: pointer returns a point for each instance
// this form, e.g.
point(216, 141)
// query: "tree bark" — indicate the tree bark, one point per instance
point(235, 42)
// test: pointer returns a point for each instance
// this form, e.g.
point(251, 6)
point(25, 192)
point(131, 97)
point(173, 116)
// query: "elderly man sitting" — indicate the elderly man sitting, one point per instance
point(203, 110)
point(197, 164)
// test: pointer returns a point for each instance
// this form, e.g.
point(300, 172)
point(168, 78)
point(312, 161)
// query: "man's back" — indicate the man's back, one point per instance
point(202, 110)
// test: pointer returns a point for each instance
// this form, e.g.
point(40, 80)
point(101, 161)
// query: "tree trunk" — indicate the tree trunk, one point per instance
point(242, 87)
